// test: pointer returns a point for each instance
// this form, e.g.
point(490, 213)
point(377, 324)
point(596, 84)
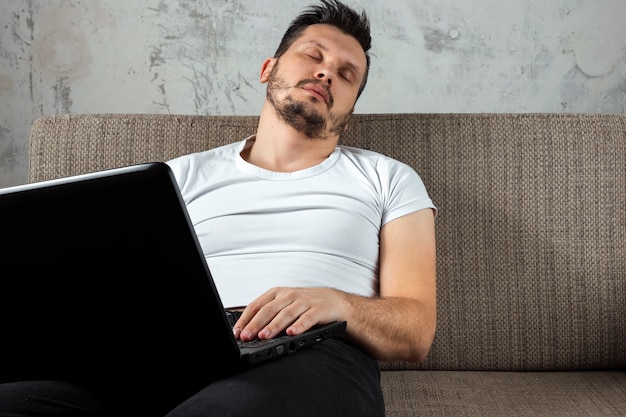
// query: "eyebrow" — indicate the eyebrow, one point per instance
point(349, 63)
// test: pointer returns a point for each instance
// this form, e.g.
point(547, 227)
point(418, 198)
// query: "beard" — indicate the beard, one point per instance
point(302, 115)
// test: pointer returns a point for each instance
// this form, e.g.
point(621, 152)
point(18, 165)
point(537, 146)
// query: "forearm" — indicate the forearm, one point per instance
point(390, 328)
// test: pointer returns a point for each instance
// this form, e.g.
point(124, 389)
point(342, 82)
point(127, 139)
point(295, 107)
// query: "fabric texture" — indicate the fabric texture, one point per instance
point(497, 394)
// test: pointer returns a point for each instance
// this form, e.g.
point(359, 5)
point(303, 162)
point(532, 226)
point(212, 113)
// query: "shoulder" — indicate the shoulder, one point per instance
point(190, 167)
point(381, 164)
point(214, 155)
point(221, 152)
point(400, 187)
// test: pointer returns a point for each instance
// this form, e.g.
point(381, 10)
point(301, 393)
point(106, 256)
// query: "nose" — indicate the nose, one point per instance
point(321, 75)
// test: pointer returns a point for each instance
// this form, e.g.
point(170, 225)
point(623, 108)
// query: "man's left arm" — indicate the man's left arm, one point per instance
point(400, 324)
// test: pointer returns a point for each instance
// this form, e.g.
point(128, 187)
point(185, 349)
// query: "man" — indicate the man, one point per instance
point(310, 232)
point(302, 221)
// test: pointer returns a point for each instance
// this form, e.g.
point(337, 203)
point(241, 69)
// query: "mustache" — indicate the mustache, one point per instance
point(319, 84)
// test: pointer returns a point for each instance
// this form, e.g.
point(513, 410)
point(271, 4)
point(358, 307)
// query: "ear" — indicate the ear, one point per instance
point(266, 69)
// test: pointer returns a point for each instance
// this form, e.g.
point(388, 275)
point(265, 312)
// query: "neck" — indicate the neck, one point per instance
point(279, 147)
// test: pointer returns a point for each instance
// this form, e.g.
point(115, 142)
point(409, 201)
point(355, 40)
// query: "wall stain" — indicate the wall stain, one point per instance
point(10, 153)
point(598, 43)
point(437, 41)
point(164, 104)
point(6, 84)
point(63, 96)
point(161, 8)
point(21, 31)
point(156, 58)
point(434, 40)
point(201, 48)
point(61, 45)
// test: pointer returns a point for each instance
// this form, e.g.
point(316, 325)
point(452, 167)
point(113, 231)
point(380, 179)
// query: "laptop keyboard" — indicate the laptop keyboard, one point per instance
point(233, 316)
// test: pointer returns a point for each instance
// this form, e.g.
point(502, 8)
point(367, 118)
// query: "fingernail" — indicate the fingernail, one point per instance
point(246, 335)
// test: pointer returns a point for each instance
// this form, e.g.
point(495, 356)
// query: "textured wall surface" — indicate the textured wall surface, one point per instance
point(204, 57)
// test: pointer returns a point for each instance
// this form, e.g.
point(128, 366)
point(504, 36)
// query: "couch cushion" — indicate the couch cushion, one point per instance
point(485, 394)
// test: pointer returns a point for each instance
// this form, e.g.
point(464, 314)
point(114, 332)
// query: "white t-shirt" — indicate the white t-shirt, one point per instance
point(318, 227)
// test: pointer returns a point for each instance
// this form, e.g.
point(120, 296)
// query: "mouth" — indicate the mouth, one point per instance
point(316, 91)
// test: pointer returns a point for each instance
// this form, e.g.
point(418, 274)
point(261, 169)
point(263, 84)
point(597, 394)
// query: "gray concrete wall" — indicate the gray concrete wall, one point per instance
point(204, 57)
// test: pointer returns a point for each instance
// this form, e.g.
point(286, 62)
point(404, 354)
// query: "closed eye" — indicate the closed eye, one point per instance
point(348, 76)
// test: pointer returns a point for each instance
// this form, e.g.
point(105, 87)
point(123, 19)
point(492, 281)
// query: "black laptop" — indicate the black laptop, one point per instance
point(102, 274)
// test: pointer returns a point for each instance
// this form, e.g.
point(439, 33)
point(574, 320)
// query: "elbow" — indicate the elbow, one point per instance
point(420, 353)
point(421, 348)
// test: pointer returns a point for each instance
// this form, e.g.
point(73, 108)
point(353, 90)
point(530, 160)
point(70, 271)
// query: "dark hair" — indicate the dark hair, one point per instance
point(337, 14)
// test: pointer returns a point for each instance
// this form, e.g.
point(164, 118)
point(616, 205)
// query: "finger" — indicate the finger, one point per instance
point(304, 322)
point(285, 317)
point(259, 314)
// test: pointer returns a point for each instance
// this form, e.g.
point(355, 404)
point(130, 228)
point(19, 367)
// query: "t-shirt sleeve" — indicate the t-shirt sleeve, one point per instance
point(405, 191)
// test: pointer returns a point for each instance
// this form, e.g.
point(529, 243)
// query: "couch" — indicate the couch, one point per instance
point(531, 240)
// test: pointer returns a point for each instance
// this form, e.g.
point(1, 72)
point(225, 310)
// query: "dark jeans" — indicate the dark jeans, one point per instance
point(333, 378)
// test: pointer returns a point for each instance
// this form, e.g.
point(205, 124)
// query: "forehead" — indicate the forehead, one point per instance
point(333, 40)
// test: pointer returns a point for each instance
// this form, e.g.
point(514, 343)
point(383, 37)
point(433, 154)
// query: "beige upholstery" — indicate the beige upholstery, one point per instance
point(531, 246)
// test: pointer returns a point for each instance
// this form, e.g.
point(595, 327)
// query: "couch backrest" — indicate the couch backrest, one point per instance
point(531, 229)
